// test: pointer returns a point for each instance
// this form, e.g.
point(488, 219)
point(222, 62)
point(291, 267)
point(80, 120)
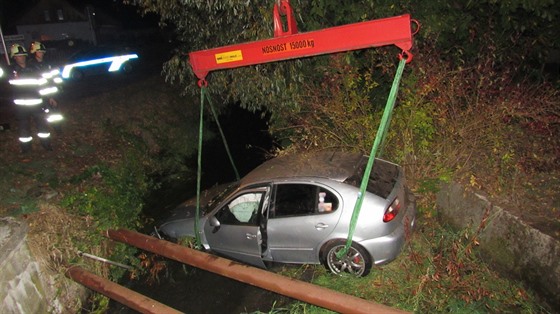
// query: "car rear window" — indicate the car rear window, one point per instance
point(382, 178)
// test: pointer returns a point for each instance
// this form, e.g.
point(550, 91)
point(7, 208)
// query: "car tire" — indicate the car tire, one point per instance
point(356, 261)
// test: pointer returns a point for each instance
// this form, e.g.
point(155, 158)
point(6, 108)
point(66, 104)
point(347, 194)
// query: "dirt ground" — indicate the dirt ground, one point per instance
point(26, 178)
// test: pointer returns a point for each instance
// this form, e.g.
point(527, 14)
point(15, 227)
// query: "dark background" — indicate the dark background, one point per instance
point(11, 11)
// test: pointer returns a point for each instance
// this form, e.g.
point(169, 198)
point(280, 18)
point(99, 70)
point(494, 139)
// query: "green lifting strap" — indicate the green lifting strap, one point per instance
point(203, 96)
point(379, 138)
point(223, 137)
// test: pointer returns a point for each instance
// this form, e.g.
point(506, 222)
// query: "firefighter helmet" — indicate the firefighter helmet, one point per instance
point(17, 50)
point(37, 46)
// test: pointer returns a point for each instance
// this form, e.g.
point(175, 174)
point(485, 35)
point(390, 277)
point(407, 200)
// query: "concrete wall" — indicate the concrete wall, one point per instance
point(506, 243)
point(25, 287)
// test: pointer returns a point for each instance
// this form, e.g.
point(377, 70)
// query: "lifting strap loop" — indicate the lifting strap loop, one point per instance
point(203, 95)
point(379, 139)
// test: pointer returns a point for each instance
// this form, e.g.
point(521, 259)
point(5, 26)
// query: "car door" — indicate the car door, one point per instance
point(238, 234)
point(301, 217)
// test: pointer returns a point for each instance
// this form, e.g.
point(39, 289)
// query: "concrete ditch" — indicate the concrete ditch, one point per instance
point(507, 244)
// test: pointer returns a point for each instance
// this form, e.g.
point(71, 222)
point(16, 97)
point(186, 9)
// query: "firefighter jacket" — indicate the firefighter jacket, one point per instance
point(46, 71)
point(48, 90)
point(27, 86)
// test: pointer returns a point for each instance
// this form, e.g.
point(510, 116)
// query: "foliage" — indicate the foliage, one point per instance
point(438, 271)
point(115, 198)
point(274, 310)
point(100, 304)
point(110, 198)
point(274, 86)
point(340, 111)
point(461, 31)
point(520, 34)
point(474, 124)
point(148, 148)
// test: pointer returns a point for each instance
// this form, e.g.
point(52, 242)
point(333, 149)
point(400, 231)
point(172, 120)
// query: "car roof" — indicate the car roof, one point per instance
point(336, 166)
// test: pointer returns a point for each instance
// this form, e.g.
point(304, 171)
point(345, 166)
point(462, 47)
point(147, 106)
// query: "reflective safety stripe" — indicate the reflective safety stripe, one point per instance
point(25, 139)
point(116, 63)
point(48, 90)
point(57, 80)
point(28, 82)
point(55, 117)
point(44, 135)
point(28, 102)
point(50, 74)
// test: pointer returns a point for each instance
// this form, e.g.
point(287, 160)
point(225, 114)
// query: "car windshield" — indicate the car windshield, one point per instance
point(220, 196)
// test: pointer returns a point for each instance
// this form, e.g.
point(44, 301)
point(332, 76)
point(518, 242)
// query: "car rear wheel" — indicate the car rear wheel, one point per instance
point(356, 261)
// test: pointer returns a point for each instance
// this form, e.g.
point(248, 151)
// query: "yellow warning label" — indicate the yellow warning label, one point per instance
point(229, 56)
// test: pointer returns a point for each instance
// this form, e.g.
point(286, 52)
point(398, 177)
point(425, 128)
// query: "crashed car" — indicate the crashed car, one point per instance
point(298, 209)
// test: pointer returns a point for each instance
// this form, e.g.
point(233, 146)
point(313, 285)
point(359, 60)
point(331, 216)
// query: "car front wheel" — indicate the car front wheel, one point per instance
point(356, 261)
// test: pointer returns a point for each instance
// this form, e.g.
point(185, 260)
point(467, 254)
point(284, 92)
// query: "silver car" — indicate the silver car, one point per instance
point(298, 209)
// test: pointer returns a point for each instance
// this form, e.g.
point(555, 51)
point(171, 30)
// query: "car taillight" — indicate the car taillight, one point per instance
point(392, 211)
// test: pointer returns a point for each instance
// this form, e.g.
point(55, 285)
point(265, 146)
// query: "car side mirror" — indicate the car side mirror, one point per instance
point(214, 222)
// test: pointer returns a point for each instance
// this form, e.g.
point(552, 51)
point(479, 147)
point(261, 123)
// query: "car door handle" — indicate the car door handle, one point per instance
point(321, 226)
point(251, 236)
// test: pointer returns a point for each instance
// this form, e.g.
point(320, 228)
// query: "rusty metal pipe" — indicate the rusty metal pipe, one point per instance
point(293, 288)
point(104, 260)
point(132, 299)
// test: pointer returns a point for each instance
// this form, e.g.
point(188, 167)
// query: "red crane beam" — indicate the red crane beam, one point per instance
point(381, 32)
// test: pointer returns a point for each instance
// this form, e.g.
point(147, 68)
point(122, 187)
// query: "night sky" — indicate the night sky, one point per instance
point(12, 10)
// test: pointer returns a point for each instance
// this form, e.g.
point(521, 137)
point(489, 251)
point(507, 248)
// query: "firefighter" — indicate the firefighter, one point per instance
point(25, 83)
point(50, 103)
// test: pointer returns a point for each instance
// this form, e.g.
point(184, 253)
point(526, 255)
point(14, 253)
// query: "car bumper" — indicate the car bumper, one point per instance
point(387, 248)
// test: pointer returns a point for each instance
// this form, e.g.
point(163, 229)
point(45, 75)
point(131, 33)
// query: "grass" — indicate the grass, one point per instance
point(438, 271)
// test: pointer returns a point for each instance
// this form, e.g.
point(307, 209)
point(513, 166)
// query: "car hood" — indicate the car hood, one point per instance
point(180, 221)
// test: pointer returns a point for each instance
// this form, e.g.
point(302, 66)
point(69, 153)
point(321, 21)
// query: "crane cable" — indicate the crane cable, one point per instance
point(203, 95)
point(379, 139)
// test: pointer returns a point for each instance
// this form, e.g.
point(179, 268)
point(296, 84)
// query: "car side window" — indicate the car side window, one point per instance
point(242, 210)
point(326, 201)
point(302, 199)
